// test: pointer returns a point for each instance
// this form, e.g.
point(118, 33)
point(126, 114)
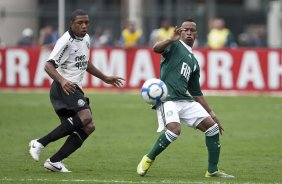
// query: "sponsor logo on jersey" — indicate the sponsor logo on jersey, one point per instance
point(80, 58)
point(61, 55)
point(81, 64)
point(185, 70)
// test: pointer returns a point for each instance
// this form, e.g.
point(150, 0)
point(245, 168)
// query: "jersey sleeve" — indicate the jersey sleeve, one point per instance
point(169, 49)
point(61, 51)
point(194, 87)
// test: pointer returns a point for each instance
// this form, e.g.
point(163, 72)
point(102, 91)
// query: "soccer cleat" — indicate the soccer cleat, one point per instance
point(35, 149)
point(144, 165)
point(55, 166)
point(219, 174)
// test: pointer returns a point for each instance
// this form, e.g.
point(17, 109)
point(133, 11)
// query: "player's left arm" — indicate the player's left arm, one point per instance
point(202, 100)
point(194, 89)
point(114, 80)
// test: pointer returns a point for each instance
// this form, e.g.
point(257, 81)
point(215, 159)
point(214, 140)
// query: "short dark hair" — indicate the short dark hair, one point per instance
point(78, 12)
point(190, 20)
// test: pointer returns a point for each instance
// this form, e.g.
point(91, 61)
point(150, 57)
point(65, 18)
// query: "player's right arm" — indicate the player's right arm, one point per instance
point(58, 56)
point(159, 47)
point(50, 69)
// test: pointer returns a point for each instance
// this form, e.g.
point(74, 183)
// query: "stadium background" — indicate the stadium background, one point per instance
point(126, 125)
point(148, 14)
point(232, 69)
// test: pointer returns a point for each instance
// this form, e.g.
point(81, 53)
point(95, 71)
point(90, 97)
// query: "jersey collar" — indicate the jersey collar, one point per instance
point(186, 46)
point(74, 36)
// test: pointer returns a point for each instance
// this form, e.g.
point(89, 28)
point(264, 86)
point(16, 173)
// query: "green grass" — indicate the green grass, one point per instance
point(126, 130)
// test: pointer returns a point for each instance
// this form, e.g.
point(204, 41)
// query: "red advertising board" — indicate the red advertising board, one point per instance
point(257, 70)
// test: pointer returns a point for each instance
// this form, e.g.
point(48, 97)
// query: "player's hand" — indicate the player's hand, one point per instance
point(68, 87)
point(219, 125)
point(116, 81)
point(177, 33)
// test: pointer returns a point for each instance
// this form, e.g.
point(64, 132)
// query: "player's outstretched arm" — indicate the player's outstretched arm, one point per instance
point(159, 47)
point(114, 80)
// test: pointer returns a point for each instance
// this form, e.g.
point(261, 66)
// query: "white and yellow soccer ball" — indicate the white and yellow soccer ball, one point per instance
point(154, 91)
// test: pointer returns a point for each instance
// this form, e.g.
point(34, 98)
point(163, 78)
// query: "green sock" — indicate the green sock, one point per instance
point(213, 145)
point(161, 144)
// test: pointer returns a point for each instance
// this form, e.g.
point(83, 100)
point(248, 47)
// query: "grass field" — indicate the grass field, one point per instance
point(126, 130)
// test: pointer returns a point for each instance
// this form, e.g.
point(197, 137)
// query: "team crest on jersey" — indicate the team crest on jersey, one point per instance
point(80, 102)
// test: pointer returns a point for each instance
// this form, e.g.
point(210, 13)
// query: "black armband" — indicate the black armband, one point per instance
point(53, 62)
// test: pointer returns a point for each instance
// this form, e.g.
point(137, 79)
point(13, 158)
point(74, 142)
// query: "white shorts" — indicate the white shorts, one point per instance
point(190, 113)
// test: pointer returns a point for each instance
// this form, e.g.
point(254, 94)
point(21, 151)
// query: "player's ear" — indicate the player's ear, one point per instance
point(71, 22)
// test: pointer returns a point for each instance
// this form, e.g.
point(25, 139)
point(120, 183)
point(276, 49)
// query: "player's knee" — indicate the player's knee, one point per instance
point(174, 127)
point(89, 128)
point(85, 116)
point(86, 120)
point(177, 131)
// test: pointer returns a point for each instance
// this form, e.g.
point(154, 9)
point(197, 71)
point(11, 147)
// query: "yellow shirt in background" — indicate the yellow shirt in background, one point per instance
point(217, 38)
point(165, 34)
point(131, 38)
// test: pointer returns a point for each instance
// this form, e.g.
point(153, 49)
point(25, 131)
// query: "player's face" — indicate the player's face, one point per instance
point(80, 25)
point(190, 33)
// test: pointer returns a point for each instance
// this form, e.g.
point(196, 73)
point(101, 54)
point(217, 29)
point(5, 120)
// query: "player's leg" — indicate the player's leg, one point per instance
point(211, 130)
point(167, 116)
point(76, 139)
point(73, 142)
point(194, 115)
point(67, 126)
point(172, 132)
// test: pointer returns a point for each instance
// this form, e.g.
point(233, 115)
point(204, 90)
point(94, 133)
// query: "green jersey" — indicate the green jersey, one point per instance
point(180, 71)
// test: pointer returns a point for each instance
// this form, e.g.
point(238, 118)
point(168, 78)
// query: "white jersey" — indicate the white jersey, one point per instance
point(71, 55)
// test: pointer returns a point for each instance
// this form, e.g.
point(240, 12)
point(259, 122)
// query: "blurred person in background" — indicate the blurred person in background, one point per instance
point(27, 38)
point(165, 31)
point(245, 40)
point(102, 38)
point(130, 36)
point(153, 37)
point(67, 64)
point(254, 36)
point(185, 103)
point(219, 36)
point(48, 37)
point(259, 36)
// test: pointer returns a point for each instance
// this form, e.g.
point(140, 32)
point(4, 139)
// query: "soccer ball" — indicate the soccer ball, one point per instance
point(153, 91)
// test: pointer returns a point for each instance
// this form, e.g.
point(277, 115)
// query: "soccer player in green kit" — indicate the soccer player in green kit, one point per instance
point(185, 102)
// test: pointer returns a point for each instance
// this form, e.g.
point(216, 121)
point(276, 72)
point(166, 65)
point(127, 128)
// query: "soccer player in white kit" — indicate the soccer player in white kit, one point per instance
point(67, 65)
point(185, 102)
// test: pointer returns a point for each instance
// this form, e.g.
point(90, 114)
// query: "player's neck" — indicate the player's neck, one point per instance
point(73, 35)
